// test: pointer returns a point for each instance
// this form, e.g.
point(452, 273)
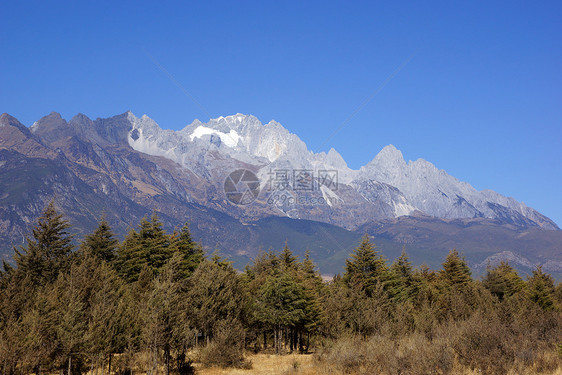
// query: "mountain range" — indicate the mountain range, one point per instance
point(244, 185)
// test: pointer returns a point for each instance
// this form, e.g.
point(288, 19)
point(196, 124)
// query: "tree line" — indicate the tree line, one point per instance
point(150, 302)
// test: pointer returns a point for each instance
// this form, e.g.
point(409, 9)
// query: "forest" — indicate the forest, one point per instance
point(155, 303)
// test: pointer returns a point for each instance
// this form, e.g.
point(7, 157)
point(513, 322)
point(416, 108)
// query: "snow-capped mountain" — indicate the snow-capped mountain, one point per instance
point(388, 186)
point(126, 167)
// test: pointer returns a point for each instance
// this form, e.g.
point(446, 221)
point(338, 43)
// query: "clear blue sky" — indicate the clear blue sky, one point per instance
point(482, 98)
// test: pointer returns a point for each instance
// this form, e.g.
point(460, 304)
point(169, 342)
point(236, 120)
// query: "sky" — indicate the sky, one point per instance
point(475, 87)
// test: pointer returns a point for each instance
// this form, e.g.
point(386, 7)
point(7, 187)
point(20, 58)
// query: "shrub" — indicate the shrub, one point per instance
point(412, 354)
point(227, 346)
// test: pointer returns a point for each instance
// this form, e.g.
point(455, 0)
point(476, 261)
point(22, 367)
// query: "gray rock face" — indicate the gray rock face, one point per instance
point(436, 193)
point(388, 186)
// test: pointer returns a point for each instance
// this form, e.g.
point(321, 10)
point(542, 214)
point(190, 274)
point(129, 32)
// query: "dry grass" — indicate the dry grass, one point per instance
point(268, 364)
point(295, 364)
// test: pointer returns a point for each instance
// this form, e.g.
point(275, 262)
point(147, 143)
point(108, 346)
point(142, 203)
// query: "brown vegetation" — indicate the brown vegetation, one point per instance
point(153, 304)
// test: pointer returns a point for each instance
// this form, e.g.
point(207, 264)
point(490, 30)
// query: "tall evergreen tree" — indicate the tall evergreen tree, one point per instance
point(149, 246)
point(402, 281)
point(308, 266)
point(191, 252)
point(102, 243)
point(287, 259)
point(161, 313)
point(280, 303)
point(540, 290)
point(311, 280)
point(68, 313)
point(48, 251)
point(455, 270)
point(503, 281)
point(105, 330)
point(214, 293)
point(366, 267)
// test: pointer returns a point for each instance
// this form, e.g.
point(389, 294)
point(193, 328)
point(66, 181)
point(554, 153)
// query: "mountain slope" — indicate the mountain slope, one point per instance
point(126, 167)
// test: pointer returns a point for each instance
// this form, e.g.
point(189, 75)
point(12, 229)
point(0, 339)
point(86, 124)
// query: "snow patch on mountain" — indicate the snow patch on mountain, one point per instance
point(230, 139)
point(330, 197)
point(402, 209)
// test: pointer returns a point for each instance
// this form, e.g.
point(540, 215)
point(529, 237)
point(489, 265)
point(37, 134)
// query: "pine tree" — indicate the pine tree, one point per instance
point(287, 259)
point(458, 294)
point(149, 246)
point(68, 313)
point(131, 257)
point(101, 243)
point(540, 290)
point(503, 281)
point(191, 252)
point(38, 341)
point(156, 243)
point(311, 281)
point(105, 311)
point(455, 270)
point(161, 313)
point(308, 266)
point(402, 281)
point(280, 302)
point(426, 286)
point(47, 253)
point(214, 293)
point(366, 268)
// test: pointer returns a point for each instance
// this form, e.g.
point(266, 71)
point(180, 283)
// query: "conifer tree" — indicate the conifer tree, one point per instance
point(191, 252)
point(149, 246)
point(280, 303)
point(455, 270)
point(365, 268)
point(402, 282)
point(68, 313)
point(503, 281)
point(102, 243)
point(47, 252)
point(131, 257)
point(313, 286)
point(426, 286)
point(161, 312)
point(308, 266)
point(459, 295)
point(39, 338)
point(105, 328)
point(287, 259)
point(214, 293)
point(540, 290)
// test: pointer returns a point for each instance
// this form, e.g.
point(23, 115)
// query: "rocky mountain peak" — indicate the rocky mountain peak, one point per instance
point(115, 129)
point(335, 159)
point(52, 127)
point(8, 120)
point(15, 135)
point(389, 155)
point(385, 166)
point(80, 119)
